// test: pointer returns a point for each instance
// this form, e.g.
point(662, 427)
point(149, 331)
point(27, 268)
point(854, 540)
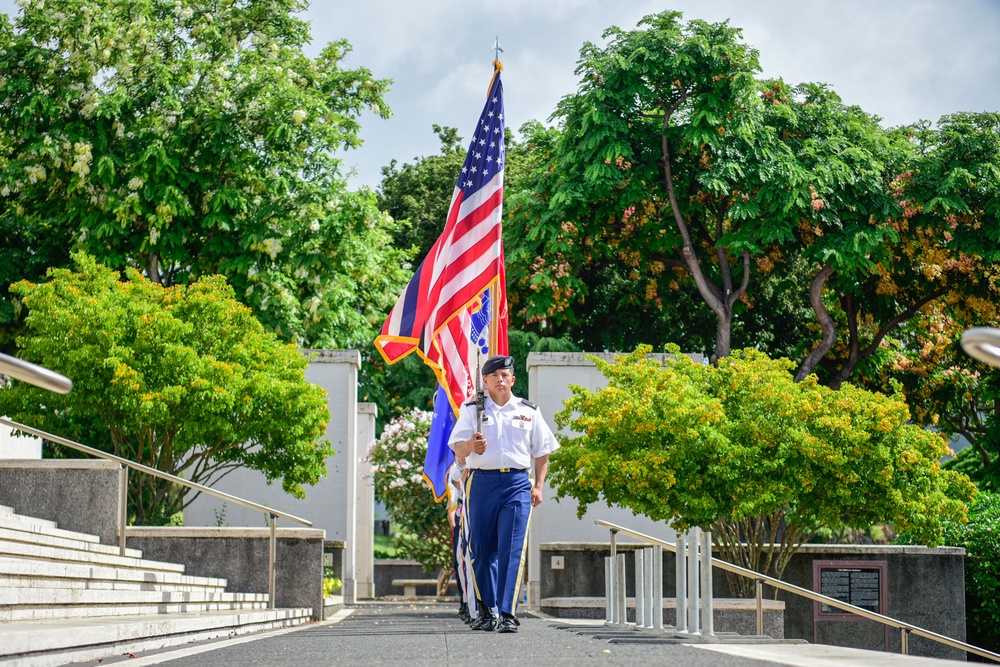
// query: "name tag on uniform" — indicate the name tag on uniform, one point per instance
point(487, 420)
point(522, 422)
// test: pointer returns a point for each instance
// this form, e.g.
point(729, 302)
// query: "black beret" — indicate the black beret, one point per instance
point(496, 363)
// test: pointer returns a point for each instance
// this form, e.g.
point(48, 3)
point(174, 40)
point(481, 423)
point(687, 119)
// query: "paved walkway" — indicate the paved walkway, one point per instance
point(429, 634)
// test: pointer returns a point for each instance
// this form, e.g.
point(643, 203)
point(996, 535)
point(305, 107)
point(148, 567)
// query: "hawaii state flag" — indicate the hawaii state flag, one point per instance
point(434, 314)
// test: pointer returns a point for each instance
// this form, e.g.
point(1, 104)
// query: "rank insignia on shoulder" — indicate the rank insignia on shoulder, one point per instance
point(529, 404)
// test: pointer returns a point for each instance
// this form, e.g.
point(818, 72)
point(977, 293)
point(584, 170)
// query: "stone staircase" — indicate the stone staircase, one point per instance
point(65, 597)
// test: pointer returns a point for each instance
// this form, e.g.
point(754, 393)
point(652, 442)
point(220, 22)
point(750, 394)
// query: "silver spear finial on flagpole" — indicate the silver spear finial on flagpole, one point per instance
point(497, 49)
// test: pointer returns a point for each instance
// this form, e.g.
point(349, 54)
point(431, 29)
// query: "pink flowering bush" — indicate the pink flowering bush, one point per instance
point(421, 530)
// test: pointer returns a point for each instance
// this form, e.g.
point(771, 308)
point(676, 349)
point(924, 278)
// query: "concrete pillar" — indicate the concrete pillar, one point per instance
point(331, 505)
point(20, 447)
point(365, 515)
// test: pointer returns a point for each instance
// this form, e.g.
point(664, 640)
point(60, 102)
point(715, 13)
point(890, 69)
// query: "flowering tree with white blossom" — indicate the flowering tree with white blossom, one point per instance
point(421, 524)
point(186, 138)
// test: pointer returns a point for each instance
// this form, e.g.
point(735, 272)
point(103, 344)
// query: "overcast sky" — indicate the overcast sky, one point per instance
point(901, 60)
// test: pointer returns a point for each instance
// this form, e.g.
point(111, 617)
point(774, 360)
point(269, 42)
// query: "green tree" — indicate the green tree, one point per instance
point(949, 261)
point(981, 541)
point(397, 388)
point(845, 231)
point(557, 289)
point(743, 450)
point(420, 524)
point(417, 195)
point(664, 169)
point(947, 390)
point(183, 379)
point(947, 198)
point(185, 140)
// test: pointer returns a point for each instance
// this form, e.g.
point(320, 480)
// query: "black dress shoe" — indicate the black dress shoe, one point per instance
point(508, 623)
point(485, 621)
point(490, 624)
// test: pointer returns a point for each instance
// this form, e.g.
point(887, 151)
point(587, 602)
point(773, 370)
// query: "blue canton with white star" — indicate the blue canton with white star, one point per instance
point(486, 150)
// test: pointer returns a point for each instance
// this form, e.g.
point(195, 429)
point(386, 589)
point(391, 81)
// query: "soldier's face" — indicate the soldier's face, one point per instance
point(500, 382)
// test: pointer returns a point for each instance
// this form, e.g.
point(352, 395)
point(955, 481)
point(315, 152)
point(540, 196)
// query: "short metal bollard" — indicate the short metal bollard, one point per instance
point(609, 587)
point(707, 622)
point(657, 587)
point(640, 588)
point(649, 588)
point(681, 581)
point(694, 627)
point(614, 580)
point(620, 591)
point(694, 583)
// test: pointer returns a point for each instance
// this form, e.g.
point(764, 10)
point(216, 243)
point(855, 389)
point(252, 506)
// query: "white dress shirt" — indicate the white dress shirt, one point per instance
point(514, 432)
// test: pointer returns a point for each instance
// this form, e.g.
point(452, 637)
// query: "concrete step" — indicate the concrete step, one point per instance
point(15, 534)
point(53, 574)
point(57, 596)
point(9, 513)
point(65, 597)
point(54, 643)
point(46, 604)
point(19, 549)
point(41, 526)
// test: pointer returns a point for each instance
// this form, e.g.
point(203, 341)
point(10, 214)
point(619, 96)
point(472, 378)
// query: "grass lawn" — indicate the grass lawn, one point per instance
point(383, 547)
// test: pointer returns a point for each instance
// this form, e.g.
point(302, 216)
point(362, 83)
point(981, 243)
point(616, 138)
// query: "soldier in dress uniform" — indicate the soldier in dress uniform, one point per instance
point(500, 492)
point(459, 542)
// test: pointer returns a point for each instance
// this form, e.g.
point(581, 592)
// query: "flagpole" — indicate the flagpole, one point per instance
point(497, 65)
point(494, 340)
point(494, 336)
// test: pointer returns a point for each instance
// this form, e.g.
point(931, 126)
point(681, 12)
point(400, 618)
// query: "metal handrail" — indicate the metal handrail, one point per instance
point(126, 464)
point(34, 374)
point(904, 627)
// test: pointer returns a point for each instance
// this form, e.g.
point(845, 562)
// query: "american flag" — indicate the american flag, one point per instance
point(439, 456)
point(433, 315)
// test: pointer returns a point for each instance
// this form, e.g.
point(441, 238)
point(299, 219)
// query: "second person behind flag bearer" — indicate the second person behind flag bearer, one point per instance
point(499, 491)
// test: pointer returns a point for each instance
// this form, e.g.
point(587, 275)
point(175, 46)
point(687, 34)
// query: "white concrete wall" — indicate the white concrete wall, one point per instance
point(330, 504)
point(550, 374)
point(19, 447)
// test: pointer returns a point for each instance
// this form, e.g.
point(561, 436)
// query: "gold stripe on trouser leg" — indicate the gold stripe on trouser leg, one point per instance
point(524, 548)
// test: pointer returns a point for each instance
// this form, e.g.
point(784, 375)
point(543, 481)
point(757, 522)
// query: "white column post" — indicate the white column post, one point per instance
point(694, 627)
point(680, 570)
point(657, 587)
point(640, 587)
point(621, 604)
point(364, 553)
point(706, 584)
point(609, 590)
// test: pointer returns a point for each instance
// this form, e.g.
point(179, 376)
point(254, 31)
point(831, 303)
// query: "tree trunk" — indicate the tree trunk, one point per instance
point(153, 268)
point(855, 353)
point(762, 544)
point(826, 323)
point(719, 299)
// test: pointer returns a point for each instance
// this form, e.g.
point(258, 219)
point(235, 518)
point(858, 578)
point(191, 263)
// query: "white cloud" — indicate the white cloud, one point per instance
point(901, 60)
